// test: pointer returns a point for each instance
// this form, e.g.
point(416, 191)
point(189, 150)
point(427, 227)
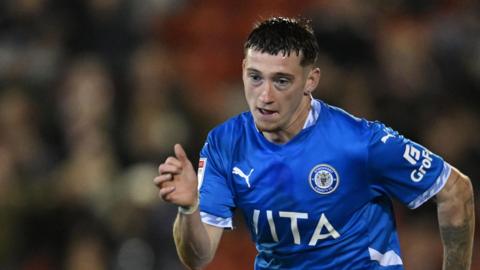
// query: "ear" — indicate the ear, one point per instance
point(244, 63)
point(313, 78)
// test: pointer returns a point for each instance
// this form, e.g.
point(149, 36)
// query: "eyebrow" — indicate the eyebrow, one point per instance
point(253, 70)
point(276, 74)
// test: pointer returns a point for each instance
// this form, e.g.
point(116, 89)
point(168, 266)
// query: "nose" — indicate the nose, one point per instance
point(266, 95)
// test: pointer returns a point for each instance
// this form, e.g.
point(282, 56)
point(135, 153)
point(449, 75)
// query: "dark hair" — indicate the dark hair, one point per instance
point(285, 35)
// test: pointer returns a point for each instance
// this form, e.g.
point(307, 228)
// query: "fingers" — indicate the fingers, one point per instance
point(173, 161)
point(165, 192)
point(165, 168)
point(176, 178)
point(166, 188)
point(171, 165)
point(180, 153)
point(159, 180)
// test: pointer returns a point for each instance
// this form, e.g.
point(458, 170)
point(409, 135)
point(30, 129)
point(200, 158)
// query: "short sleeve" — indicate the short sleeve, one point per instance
point(216, 199)
point(402, 168)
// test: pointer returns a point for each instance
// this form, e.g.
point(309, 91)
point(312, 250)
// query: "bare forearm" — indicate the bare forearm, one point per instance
point(192, 240)
point(457, 246)
point(457, 221)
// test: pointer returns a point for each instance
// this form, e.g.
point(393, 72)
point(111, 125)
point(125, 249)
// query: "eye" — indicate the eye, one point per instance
point(255, 78)
point(282, 82)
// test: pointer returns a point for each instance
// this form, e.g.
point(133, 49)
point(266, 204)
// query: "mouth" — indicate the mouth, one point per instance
point(266, 112)
point(266, 115)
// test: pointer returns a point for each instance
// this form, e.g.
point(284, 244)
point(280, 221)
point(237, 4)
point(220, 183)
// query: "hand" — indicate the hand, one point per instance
point(177, 181)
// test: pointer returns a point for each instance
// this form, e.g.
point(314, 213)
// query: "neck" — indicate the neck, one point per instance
point(296, 124)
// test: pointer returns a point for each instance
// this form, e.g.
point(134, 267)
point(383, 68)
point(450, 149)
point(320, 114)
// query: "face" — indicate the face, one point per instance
point(277, 89)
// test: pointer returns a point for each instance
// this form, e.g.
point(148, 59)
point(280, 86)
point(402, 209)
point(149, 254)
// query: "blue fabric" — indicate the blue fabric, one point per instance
point(323, 199)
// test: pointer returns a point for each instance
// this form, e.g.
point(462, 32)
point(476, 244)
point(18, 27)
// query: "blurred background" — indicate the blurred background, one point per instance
point(94, 93)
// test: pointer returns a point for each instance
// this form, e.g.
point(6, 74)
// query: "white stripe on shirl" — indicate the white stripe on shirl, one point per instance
point(434, 189)
point(385, 259)
point(216, 221)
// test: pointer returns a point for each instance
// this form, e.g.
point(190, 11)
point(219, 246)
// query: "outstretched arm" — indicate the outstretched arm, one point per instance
point(196, 242)
point(456, 218)
point(177, 182)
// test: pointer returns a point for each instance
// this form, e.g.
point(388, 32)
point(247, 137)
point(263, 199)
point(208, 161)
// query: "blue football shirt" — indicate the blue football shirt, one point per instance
point(322, 200)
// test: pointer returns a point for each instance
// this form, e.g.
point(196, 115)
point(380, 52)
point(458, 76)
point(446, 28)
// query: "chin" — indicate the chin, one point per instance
point(263, 127)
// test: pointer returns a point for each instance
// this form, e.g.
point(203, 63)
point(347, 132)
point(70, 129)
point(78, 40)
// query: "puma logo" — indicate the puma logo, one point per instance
point(240, 173)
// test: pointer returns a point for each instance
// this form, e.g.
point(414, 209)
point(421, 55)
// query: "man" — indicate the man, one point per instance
point(313, 182)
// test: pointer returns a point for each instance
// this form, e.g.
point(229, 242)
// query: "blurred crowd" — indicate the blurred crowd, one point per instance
point(94, 93)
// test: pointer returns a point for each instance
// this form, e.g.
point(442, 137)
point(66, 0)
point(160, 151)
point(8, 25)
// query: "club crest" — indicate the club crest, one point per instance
point(324, 179)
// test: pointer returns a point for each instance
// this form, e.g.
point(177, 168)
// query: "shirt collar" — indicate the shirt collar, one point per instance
point(314, 113)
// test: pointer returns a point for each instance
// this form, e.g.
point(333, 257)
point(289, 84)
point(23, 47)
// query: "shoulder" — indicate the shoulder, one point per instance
point(232, 127)
point(222, 140)
point(339, 117)
point(346, 124)
point(226, 135)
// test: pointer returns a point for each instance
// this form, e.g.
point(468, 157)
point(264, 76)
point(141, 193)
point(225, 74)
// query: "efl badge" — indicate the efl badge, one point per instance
point(324, 179)
point(202, 163)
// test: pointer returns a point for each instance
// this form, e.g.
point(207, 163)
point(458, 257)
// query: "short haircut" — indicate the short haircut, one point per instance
point(284, 35)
